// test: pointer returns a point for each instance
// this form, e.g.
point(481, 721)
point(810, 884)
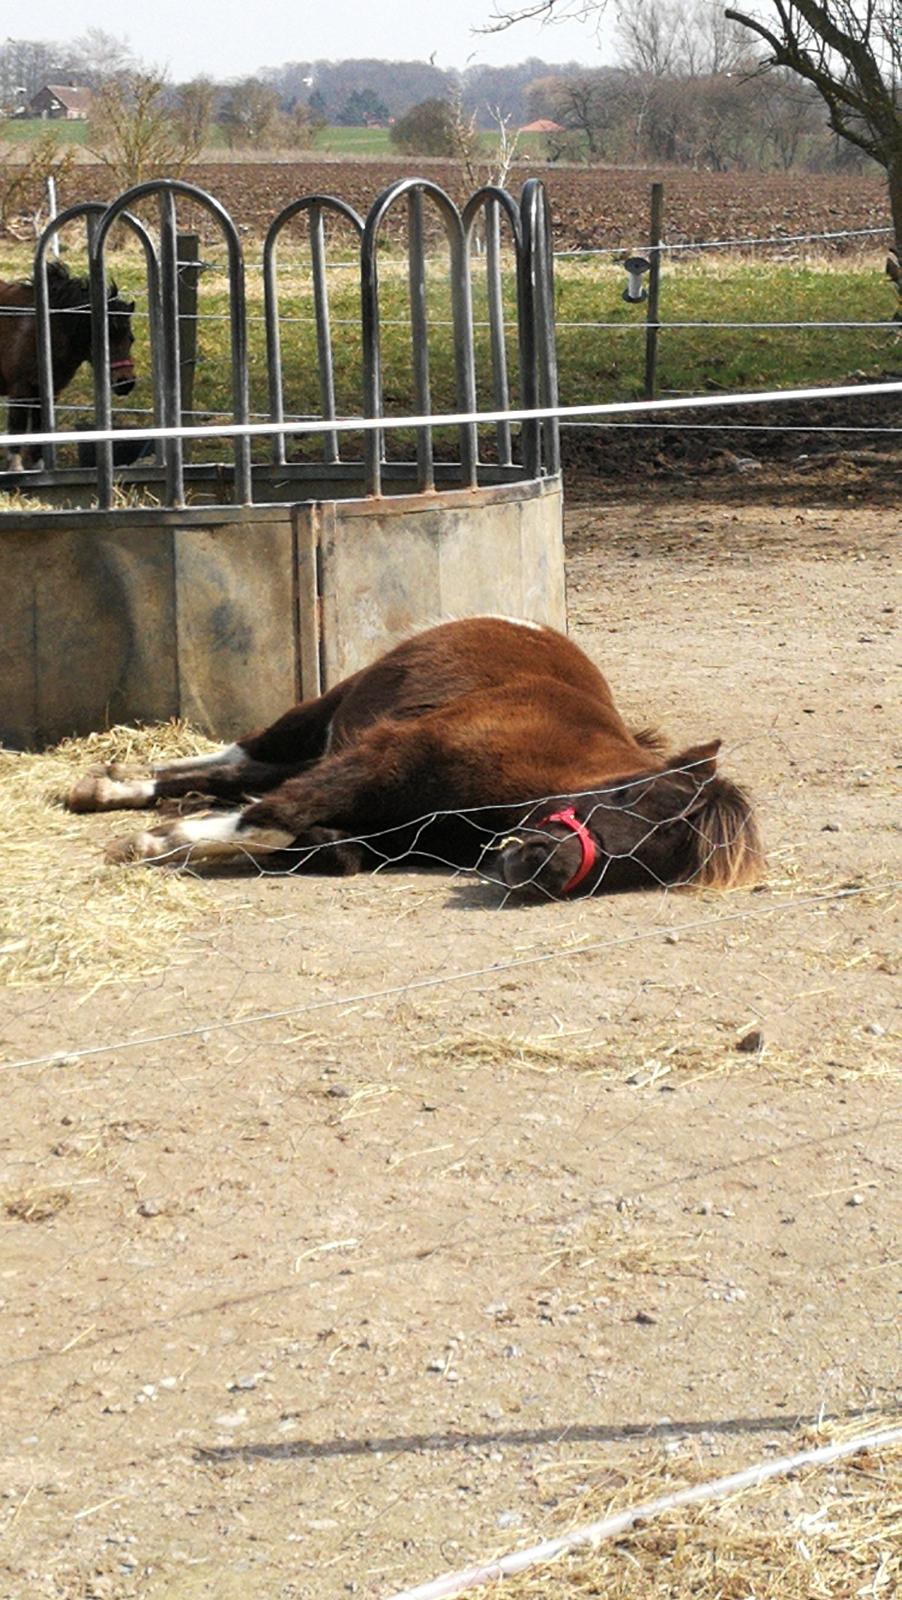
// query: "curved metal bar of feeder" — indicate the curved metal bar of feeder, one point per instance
point(493, 200)
point(491, 191)
point(540, 291)
point(161, 188)
point(419, 337)
point(548, 346)
point(529, 387)
point(461, 314)
point(316, 204)
point(87, 210)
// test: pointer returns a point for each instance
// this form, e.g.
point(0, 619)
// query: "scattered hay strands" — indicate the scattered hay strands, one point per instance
point(680, 1057)
point(611, 1249)
point(831, 1535)
point(817, 1531)
point(64, 916)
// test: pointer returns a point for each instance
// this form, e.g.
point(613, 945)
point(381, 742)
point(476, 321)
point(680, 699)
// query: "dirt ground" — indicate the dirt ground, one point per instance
point(328, 1301)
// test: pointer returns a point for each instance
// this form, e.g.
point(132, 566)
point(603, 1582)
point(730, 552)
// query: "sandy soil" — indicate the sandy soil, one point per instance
point(326, 1303)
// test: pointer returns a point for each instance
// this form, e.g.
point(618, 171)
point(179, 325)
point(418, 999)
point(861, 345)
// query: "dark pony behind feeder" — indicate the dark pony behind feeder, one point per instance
point(486, 743)
point(70, 344)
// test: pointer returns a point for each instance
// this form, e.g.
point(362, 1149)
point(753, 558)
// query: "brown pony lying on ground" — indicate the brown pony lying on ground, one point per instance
point(481, 735)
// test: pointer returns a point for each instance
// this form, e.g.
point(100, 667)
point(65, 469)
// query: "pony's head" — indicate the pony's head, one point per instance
point(121, 338)
point(682, 824)
point(68, 293)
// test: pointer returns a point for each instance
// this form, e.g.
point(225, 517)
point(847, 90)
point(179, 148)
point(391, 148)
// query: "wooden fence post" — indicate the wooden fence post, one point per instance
point(655, 229)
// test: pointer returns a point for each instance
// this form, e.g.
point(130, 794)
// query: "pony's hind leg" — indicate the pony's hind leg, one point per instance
point(259, 762)
point(18, 420)
point(226, 774)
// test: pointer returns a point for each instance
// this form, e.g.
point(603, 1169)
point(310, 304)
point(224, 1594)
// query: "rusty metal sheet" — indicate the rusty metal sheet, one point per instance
point(93, 613)
point(388, 569)
point(236, 625)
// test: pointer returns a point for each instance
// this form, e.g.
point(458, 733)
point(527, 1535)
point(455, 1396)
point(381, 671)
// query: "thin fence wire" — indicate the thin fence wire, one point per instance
point(276, 1319)
point(70, 1054)
point(230, 1328)
point(740, 243)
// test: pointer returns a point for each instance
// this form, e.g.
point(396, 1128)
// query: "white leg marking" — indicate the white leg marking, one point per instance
point(125, 792)
point(197, 839)
point(203, 838)
point(99, 793)
point(14, 461)
point(230, 755)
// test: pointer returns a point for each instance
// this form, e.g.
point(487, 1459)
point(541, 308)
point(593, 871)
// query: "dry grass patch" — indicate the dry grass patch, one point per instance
point(65, 917)
point(688, 1053)
point(604, 1249)
point(36, 1205)
point(824, 1533)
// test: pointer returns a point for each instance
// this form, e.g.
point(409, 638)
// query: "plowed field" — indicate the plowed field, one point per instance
point(592, 207)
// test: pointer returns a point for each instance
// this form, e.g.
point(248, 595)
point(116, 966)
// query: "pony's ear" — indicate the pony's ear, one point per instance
point(699, 761)
point(112, 289)
point(129, 305)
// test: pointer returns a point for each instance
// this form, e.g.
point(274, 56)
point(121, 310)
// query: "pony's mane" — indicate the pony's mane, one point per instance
point(68, 293)
point(650, 739)
point(727, 851)
point(63, 290)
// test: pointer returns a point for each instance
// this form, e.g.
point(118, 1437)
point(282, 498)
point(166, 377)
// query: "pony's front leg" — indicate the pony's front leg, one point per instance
point(19, 420)
point(379, 783)
point(215, 836)
point(224, 836)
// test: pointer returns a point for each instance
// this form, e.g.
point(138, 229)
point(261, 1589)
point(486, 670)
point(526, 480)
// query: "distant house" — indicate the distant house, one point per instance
point(61, 102)
point(542, 125)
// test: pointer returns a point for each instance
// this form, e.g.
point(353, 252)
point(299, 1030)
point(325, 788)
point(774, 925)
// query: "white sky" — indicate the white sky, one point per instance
point(232, 38)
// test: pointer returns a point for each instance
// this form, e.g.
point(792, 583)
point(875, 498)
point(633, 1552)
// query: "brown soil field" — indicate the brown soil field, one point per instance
point(592, 207)
point(384, 1224)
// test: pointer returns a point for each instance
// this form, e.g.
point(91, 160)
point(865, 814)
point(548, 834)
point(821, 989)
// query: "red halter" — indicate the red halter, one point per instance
point(125, 362)
point(586, 844)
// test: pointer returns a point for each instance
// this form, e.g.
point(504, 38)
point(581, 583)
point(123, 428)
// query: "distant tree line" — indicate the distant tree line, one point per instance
point(361, 91)
point(687, 91)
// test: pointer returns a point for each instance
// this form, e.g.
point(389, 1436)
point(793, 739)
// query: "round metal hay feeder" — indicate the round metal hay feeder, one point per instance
point(253, 584)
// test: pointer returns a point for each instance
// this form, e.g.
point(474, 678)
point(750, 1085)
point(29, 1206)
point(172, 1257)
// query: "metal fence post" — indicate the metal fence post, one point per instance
point(188, 248)
point(654, 278)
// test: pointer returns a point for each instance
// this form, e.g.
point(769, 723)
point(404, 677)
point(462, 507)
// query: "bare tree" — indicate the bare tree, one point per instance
point(193, 105)
point(850, 51)
point(649, 33)
point(134, 132)
point(594, 106)
point(792, 118)
point(464, 141)
point(26, 65)
point(250, 114)
point(23, 183)
point(96, 56)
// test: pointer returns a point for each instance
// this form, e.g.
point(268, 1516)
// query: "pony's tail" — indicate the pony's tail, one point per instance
point(727, 846)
